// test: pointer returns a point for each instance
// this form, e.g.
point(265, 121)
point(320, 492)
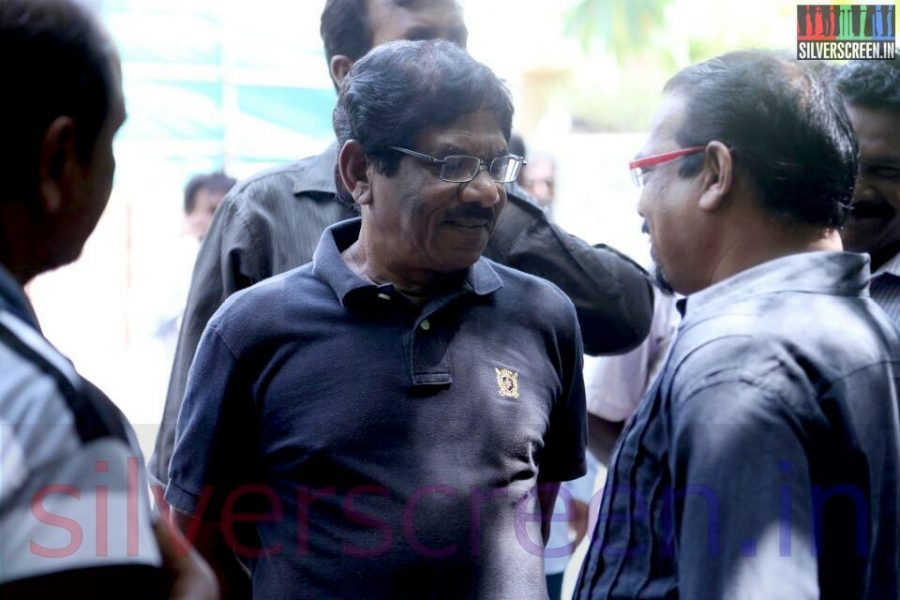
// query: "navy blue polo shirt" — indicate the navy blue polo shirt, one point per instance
point(355, 445)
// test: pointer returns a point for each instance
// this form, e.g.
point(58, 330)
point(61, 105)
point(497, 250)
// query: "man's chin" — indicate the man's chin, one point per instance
point(454, 261)
point(659, 278)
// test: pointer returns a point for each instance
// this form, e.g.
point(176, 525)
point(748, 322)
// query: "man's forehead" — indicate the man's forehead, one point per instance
point(426, 4)
point(466, 142)
point(391, 20)
point(665, 125)
point(479, 131)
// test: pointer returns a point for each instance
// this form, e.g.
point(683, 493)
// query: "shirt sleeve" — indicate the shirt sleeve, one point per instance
point(231, 258)
point(742, 494)
point(612, 294)
point(71, 506)
point(563, 455)
point(215, 441)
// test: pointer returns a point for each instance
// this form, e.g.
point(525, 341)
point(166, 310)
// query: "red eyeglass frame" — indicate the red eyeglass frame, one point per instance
point(658, 159)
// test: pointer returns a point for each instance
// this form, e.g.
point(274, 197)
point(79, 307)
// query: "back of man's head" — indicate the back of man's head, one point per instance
point(401, 88)
point(871, 83)
point(785, 125)
point(54, 61)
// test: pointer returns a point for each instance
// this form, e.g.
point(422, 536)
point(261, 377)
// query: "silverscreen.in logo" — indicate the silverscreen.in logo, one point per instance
point(846, 32)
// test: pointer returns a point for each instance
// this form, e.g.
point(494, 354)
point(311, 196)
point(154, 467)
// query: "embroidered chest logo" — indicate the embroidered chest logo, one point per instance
point(507, 383)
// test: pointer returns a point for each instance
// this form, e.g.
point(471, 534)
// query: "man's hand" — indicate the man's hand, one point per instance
point(192, 579)
point(232, 576)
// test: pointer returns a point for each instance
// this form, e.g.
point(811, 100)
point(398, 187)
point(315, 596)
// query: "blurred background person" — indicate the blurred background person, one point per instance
point(540, 179)
point(538, 176)
point(202, 197)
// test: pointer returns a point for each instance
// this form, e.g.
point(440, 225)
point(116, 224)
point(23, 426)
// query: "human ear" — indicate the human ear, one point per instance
point(339, 66)
point(718, 175)
point(57, 158)
point(354, 167)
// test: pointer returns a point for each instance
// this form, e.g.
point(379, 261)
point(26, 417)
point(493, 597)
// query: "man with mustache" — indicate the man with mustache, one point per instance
point(871, 91)
point(271, 222)
point(390, 420)
point(764, 461)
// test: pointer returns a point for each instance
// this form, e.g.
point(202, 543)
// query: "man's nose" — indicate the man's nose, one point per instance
point(482, 189)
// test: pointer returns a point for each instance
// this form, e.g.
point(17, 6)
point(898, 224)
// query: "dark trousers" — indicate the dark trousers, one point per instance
point(554, 586)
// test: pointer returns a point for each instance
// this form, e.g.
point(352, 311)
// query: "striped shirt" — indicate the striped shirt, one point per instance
point(885, 288)
point(73, 491)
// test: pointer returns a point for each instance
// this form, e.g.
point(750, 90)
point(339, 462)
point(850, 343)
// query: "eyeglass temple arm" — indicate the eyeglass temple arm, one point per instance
point(649, 161)
point(431, 159)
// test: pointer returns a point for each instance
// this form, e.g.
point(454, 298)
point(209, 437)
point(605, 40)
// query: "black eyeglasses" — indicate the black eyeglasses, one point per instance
point(460, 168)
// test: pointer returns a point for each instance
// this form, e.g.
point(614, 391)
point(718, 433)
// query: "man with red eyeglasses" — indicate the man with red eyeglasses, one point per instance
point(763, 462)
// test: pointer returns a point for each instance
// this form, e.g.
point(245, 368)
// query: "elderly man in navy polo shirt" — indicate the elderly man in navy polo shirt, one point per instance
point(411, 417)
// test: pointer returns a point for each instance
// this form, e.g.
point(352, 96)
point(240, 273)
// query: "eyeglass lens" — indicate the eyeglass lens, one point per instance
point(461, 168)
point(637, 176)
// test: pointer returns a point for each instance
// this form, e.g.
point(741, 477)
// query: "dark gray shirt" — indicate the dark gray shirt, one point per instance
point(271, 223)
point(764, 461)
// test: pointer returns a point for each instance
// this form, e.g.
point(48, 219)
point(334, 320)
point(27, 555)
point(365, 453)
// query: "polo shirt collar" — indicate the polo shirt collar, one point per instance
point(481, 278)
point(319, 176)
point(14, 300)
point(833, 273)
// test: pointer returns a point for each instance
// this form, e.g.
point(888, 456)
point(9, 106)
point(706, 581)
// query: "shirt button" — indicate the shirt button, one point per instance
point(425, 325)
point(384, 296)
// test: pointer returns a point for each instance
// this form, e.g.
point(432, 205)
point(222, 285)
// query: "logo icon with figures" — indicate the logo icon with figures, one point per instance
point(507, 383)
point(846, 32)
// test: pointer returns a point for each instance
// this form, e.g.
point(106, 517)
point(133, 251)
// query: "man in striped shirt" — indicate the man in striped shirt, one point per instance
point(75, 515)
point(871, 91)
